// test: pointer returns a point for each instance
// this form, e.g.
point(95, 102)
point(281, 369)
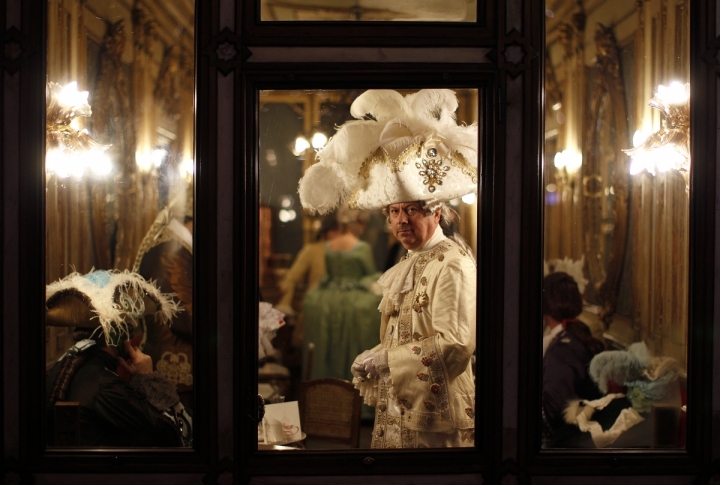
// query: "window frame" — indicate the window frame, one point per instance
point(246, 210)
point(694, 459)
point(34, 453)
point(339, 33)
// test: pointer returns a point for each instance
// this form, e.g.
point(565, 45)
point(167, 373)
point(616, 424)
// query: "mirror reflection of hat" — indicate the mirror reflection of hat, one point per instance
point(112, 300)
point(398, 149)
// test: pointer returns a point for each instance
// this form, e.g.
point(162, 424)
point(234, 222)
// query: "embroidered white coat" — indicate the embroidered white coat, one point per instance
point(429, 400)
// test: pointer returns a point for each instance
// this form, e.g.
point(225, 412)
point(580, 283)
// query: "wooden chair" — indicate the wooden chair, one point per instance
point(66, 425)
point(330, 411)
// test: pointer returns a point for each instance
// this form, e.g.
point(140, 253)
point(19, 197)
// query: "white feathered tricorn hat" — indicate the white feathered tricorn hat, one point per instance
point(115, 301)
point(399, 149)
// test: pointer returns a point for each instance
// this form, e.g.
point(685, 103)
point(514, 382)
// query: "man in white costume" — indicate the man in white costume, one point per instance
point(407, 156)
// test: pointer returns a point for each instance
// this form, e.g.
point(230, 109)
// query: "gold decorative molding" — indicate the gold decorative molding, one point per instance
point(605, 176)
point(553, 93)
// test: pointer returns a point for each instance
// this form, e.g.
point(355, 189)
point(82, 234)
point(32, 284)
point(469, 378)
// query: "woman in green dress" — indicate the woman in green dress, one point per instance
point(341, 313)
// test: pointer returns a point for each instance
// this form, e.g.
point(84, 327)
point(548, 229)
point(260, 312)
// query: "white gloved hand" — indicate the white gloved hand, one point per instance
point(358, 365)
point(376, 363)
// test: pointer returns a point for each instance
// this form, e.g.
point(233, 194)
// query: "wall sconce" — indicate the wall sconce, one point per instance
point(669, 147)
point(69, 150)
point(569, 160)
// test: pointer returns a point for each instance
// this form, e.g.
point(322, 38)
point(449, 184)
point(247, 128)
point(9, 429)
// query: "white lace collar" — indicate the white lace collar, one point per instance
point(399, 279)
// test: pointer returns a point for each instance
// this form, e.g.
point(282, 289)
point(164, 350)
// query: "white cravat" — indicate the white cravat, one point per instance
point(399, 279)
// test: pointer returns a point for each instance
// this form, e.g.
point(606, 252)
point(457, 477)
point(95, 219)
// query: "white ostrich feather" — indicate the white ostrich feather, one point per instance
point(381, 104)
point(114, 315)
point(434, 104)
point(352, 143)
point(322, 188)
point(384, 119)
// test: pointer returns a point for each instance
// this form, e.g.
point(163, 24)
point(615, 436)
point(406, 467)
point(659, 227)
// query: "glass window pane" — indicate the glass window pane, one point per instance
point(119, 244)
point(616, 198)
point(321, 271)
point(369, 10)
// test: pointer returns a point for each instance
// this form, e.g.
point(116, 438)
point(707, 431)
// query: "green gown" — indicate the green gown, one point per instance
point(341, 314)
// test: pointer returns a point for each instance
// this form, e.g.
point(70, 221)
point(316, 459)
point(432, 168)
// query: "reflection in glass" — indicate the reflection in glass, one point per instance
point(119, 209)
point(369, 10)
point(321, 271)
point(615, 297)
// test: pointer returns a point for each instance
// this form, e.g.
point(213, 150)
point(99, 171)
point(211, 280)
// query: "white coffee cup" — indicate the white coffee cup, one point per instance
point(279, 432)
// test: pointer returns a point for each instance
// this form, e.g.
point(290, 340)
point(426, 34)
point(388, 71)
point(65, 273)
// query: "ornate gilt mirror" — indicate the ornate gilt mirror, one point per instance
point(294, 121)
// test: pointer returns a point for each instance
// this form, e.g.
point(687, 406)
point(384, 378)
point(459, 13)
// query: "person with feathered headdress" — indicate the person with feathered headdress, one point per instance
point(122, 402)
point(407, 155)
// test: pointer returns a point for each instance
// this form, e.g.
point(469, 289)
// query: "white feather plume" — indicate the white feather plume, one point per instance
point(381, 104)
point(321, 189)
point(118, 302)
point(434, 104)
point(383, 118)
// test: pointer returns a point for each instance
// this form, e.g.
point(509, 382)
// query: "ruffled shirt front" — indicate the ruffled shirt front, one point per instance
point(399, 279)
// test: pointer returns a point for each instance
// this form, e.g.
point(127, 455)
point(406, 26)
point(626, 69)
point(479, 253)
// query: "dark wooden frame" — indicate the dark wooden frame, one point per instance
point(338, 33)
point(3, 444)
point(696, 458)
point(352, 462)
point(532, 461)
point(35, 456)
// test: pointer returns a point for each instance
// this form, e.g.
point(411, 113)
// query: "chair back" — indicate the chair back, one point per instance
point(330, 411)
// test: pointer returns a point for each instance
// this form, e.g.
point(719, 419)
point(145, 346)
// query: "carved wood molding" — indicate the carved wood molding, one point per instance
point(608, 88)
point(145, 29)
point(16, 48)
point(553, 93)
point(226, 51)
point(516, 53)
point(711, 56)
point(171, 80)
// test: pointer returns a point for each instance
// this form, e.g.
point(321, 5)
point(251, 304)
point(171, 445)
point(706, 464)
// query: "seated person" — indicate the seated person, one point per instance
point(570, 349)
point(140, 409)
point(166, 258)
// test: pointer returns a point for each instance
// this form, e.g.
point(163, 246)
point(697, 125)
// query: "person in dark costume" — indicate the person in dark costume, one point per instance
point(566, 361)
point(122, 403)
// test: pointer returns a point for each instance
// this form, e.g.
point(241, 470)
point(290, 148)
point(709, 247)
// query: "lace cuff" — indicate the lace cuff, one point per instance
point(368, 388)
point(380, 360)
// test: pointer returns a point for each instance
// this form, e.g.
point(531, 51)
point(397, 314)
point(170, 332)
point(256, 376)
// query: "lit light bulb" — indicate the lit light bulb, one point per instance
point(319, 140)
point(639, 138)
point(69, 96)
point(158, 156)
point(301, 144)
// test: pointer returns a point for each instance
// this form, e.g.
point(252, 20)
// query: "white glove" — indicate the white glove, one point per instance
point(358, 365)
point(376, 363)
